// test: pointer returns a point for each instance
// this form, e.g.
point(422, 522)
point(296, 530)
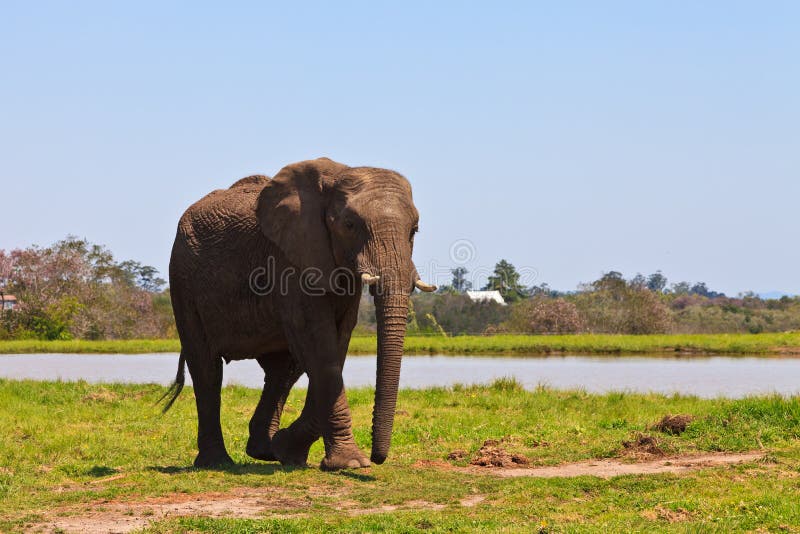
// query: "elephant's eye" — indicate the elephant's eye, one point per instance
point(414, 230)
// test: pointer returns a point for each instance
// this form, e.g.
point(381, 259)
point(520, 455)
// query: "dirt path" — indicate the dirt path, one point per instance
point(613, 467)
point(122, 516)
point(241, 503)
point(249, 503)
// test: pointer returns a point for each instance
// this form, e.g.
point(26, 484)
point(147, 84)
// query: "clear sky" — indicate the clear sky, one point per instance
point(570, 138)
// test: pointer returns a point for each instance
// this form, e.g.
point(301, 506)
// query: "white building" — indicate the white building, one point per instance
point(8, 302)
point(486, 296)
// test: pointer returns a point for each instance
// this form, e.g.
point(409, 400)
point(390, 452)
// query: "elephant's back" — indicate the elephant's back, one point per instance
point(223, 214)
point(219, 240)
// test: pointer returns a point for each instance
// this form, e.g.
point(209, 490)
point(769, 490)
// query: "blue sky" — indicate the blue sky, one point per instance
point(570, 138)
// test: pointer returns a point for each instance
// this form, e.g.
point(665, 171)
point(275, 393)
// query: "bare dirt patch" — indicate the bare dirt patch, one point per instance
point(492, 454)
point(458, 454)
point(125, 516)
point(409, 505)
point(666, 514)
point(472, 500)
point(642, 447)
point(241, 503)
point(673, 424)
point(608, 468)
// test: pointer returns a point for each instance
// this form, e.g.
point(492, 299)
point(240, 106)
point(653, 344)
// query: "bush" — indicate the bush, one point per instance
point(613, 306)
point(542, 315)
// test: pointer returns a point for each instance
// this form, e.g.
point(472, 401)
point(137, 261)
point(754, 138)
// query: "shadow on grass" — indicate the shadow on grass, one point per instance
point(357, 476)
point(101, 471)
point(235, 469)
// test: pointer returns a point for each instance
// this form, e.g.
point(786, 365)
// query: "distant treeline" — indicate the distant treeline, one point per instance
point(74, 289)
point(609, 305)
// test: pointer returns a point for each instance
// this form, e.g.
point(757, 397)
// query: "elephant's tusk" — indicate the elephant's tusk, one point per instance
point(422, 286)
point(369, 279)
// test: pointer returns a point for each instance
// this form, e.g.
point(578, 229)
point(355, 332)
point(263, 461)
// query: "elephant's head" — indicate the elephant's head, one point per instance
point(361, 220)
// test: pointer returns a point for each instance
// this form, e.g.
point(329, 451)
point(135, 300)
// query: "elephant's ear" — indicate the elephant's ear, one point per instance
point(291, 211)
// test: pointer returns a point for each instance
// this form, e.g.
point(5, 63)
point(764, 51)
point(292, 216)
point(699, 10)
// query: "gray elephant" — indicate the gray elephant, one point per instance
point(273, 270)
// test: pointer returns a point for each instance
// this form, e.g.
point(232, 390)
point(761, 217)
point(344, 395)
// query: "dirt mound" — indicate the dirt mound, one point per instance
point(642, 446)
point(491, 454)
point(673, 424)
point(458, 454)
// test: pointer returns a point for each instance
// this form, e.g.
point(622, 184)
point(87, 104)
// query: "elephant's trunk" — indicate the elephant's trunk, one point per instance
point(391, 310)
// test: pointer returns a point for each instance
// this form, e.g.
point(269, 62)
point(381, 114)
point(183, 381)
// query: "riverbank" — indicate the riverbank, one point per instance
point(111, 461)
point(782, 343)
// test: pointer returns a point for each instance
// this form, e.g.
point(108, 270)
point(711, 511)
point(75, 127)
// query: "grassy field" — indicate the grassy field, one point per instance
point(785, 343)
point(70, 450)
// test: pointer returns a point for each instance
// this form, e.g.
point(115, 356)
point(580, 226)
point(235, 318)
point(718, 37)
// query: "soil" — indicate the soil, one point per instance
point(609, 468)
point(673, 424)
point(671, 516)
point(642, 447)
point(492, 454)
point(242, 503)
point(458, 454)
point(125, 516)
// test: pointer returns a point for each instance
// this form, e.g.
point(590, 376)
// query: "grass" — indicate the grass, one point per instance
point(76, 346)
point(69, 447)
point(594, 344)
point(784, 343)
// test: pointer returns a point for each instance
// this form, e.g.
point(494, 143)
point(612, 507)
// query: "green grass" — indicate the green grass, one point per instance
point(115, 346)
point(788, 343)
point(593, 344)
point(68, 447)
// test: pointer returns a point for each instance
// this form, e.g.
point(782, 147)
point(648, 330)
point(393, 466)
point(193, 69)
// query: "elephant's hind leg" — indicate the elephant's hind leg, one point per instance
point(207, 380)
point(280, 374)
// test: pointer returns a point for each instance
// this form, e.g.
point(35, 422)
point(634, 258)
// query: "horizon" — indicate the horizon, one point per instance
point(570, 142)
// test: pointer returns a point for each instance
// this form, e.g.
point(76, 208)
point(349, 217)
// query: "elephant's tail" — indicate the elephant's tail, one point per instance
point(171, 395)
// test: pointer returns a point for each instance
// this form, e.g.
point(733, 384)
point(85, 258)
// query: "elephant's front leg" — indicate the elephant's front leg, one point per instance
point(341, 451)
point(326, 412)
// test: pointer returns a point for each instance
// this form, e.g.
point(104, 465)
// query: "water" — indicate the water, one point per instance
point(702, 376)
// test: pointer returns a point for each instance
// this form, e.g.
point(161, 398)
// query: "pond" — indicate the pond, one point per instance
point(701, 376)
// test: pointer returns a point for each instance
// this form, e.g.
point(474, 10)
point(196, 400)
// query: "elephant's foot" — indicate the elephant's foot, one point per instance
point(289, 450)
point(215, 458)
point(346, 457)
point(260, 449)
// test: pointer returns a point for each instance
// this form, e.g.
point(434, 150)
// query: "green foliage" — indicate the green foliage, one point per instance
point(455, 314)
point(460, 283)
point(76, 289)
point(612, 305)
point(505, 279)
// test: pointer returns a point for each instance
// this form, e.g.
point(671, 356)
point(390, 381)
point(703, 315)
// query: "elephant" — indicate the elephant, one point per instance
point(273, 270)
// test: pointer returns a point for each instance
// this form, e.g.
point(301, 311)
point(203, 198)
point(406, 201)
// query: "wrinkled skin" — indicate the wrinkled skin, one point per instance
point(341, 222)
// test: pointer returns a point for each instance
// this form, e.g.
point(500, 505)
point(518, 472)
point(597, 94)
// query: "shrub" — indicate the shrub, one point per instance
point(542, 315)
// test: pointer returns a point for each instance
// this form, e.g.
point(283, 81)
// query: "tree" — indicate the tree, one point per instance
point(639, 281)
point(74, 289)
point(681, 288)
point(700, 288)
point(612, 305)
point(613, 282)
point(460, 283)
point(506, 280)
point(657, 282)
point(544, 290)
